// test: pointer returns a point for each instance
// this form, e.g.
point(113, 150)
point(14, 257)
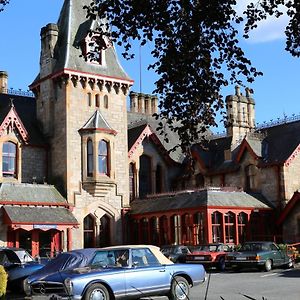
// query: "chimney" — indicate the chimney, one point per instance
point(3, 82)
point(133, 102)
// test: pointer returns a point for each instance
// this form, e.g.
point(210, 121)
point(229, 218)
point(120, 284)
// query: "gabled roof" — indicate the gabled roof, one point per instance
point(25, 109)
point(98, 123)
point(73, 28)
point(214, 198)
point(288, 208)
point(136, 136)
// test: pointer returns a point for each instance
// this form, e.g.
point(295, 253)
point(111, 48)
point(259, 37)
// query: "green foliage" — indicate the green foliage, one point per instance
point(195, 46)
point(3, 282)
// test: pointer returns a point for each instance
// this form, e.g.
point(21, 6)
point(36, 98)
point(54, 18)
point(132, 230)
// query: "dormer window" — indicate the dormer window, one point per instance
point(9, 153)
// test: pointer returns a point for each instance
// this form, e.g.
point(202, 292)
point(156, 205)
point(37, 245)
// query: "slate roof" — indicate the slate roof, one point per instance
point(136, 124)
point(26, 110)
point(40, 215)
point(97, 121)
point(275, 145)
point(194, 199)
point(73, 27)
point(30, 193)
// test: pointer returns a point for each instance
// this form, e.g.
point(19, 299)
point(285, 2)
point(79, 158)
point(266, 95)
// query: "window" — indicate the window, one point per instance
point(229, 227)
point(242, 226)
point(90, 164)
point(145, 183)
point(89, 231)
point(199, 237)
point(9, 152)
point(103, 157)
point(217, 227)
point(144, 257)
point(89, 99)
point(105, 101)
point(132, 188)
point(97, 101)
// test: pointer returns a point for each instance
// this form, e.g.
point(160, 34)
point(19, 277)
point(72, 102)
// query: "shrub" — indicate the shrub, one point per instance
point(3, 282)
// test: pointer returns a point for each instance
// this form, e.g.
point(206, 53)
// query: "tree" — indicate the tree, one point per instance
point(196, 51)
point(3, 3)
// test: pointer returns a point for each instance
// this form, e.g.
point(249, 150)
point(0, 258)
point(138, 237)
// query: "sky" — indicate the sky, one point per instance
point(276, 93)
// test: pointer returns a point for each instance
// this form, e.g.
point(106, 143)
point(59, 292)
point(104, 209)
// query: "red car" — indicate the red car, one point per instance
point(210, 255)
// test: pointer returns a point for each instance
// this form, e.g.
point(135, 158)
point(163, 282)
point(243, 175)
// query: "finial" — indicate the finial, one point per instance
point(237, 90)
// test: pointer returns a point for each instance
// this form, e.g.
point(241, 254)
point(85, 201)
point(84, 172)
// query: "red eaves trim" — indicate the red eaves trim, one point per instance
point(44, 204)
point(66, 71)
point(290, 205)
point(46, 223)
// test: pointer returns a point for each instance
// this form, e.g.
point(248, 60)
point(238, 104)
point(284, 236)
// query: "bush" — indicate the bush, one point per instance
point(3, 282)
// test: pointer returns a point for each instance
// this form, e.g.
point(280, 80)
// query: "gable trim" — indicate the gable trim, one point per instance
point(245, 146)
point(13, 120)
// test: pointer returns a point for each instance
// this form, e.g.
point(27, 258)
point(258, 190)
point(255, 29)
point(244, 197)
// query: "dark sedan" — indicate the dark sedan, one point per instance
point(260, 255)
point(175, 253)
point(18, 264)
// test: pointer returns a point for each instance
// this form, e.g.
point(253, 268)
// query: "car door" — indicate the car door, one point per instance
point(146, 276)
point(278, 256)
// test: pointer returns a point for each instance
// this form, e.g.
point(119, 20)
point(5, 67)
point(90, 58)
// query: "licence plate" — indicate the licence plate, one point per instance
point(199, 258)
point(241, 258)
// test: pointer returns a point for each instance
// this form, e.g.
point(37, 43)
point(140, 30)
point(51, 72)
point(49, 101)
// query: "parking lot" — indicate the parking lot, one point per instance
point(277, 284)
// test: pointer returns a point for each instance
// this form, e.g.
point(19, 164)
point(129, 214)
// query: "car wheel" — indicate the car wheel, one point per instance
point(97, 291)
point(268, 265)
point(221, 264)
point(180, 289)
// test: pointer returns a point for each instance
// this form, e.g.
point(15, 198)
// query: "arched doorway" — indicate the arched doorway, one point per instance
point(104, 234)
point(89, 231)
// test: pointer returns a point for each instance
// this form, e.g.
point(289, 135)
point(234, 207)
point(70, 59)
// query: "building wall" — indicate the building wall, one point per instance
point(34, 164)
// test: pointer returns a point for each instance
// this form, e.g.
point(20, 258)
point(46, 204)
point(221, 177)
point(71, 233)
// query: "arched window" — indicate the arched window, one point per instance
point(199, 234)
point(103, 157)
point(132, 191)
point(9, 153)
point(89, 99)
point(217, 230)
point(90, 158)
point(144, 231)
point(104, 238)
point(145, 183)
point(242, 226)
point(159, 179)
point(97, 100)
point(105, 101)
point(229, 227)
point(89, 231)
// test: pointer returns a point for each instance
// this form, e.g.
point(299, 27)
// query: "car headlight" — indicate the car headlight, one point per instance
point(26, 287)
point(69, 286)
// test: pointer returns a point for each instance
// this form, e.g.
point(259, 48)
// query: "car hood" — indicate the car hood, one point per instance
point(201, 253)
point(246, 253)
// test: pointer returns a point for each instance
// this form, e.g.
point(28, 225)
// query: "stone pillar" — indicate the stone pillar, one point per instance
point(133, 102)
point(141, 103)
point(148, 105)
point(154, 104)
point(3, 82)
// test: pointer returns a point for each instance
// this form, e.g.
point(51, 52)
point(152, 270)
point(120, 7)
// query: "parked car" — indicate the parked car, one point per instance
point(64, 261)
point(176, 253)
point(210, 255)
point(261, 255)
point(18, 264)
point(145, 272)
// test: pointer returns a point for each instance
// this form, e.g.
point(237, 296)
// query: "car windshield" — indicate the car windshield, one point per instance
point(110, 258)
point(253, 247)
point(209, 248)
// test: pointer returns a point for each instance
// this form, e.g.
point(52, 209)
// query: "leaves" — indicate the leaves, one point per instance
point(196, 51)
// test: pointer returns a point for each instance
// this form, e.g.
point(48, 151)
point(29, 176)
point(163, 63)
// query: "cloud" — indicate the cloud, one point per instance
point(268, 30)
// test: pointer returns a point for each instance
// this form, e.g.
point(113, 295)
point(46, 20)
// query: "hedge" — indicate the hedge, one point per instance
point(3, 282)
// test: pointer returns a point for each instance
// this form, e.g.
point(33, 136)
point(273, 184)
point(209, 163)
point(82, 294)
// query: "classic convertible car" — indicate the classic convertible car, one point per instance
point(261, 255)
point(121, 272)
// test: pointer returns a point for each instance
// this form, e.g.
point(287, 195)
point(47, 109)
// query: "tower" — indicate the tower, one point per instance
point(81, 106)
point(240, 114)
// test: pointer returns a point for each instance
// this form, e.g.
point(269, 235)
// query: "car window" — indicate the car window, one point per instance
point(144, 257)
point(273, 247)
point(3, 258)
point(24, 256)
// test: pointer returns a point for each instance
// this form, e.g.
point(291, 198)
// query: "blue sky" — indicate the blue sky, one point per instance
point(277, 93)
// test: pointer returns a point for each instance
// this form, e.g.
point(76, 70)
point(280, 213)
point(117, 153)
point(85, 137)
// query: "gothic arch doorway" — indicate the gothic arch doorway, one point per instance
point(89, 231)
point(104, 234)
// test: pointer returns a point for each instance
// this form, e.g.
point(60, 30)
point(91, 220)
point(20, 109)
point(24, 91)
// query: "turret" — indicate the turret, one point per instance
point(3, 82)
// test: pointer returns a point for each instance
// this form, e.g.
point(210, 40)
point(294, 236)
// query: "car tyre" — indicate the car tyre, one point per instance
point(268, 265)
point(97, 291)
point(180, 289)
point(221, 264)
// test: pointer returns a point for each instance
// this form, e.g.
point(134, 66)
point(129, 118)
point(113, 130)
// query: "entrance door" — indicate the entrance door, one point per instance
point(25, 240)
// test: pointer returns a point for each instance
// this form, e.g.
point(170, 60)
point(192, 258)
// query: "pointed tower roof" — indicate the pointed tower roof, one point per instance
point(98, 123)
point(73, 28)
